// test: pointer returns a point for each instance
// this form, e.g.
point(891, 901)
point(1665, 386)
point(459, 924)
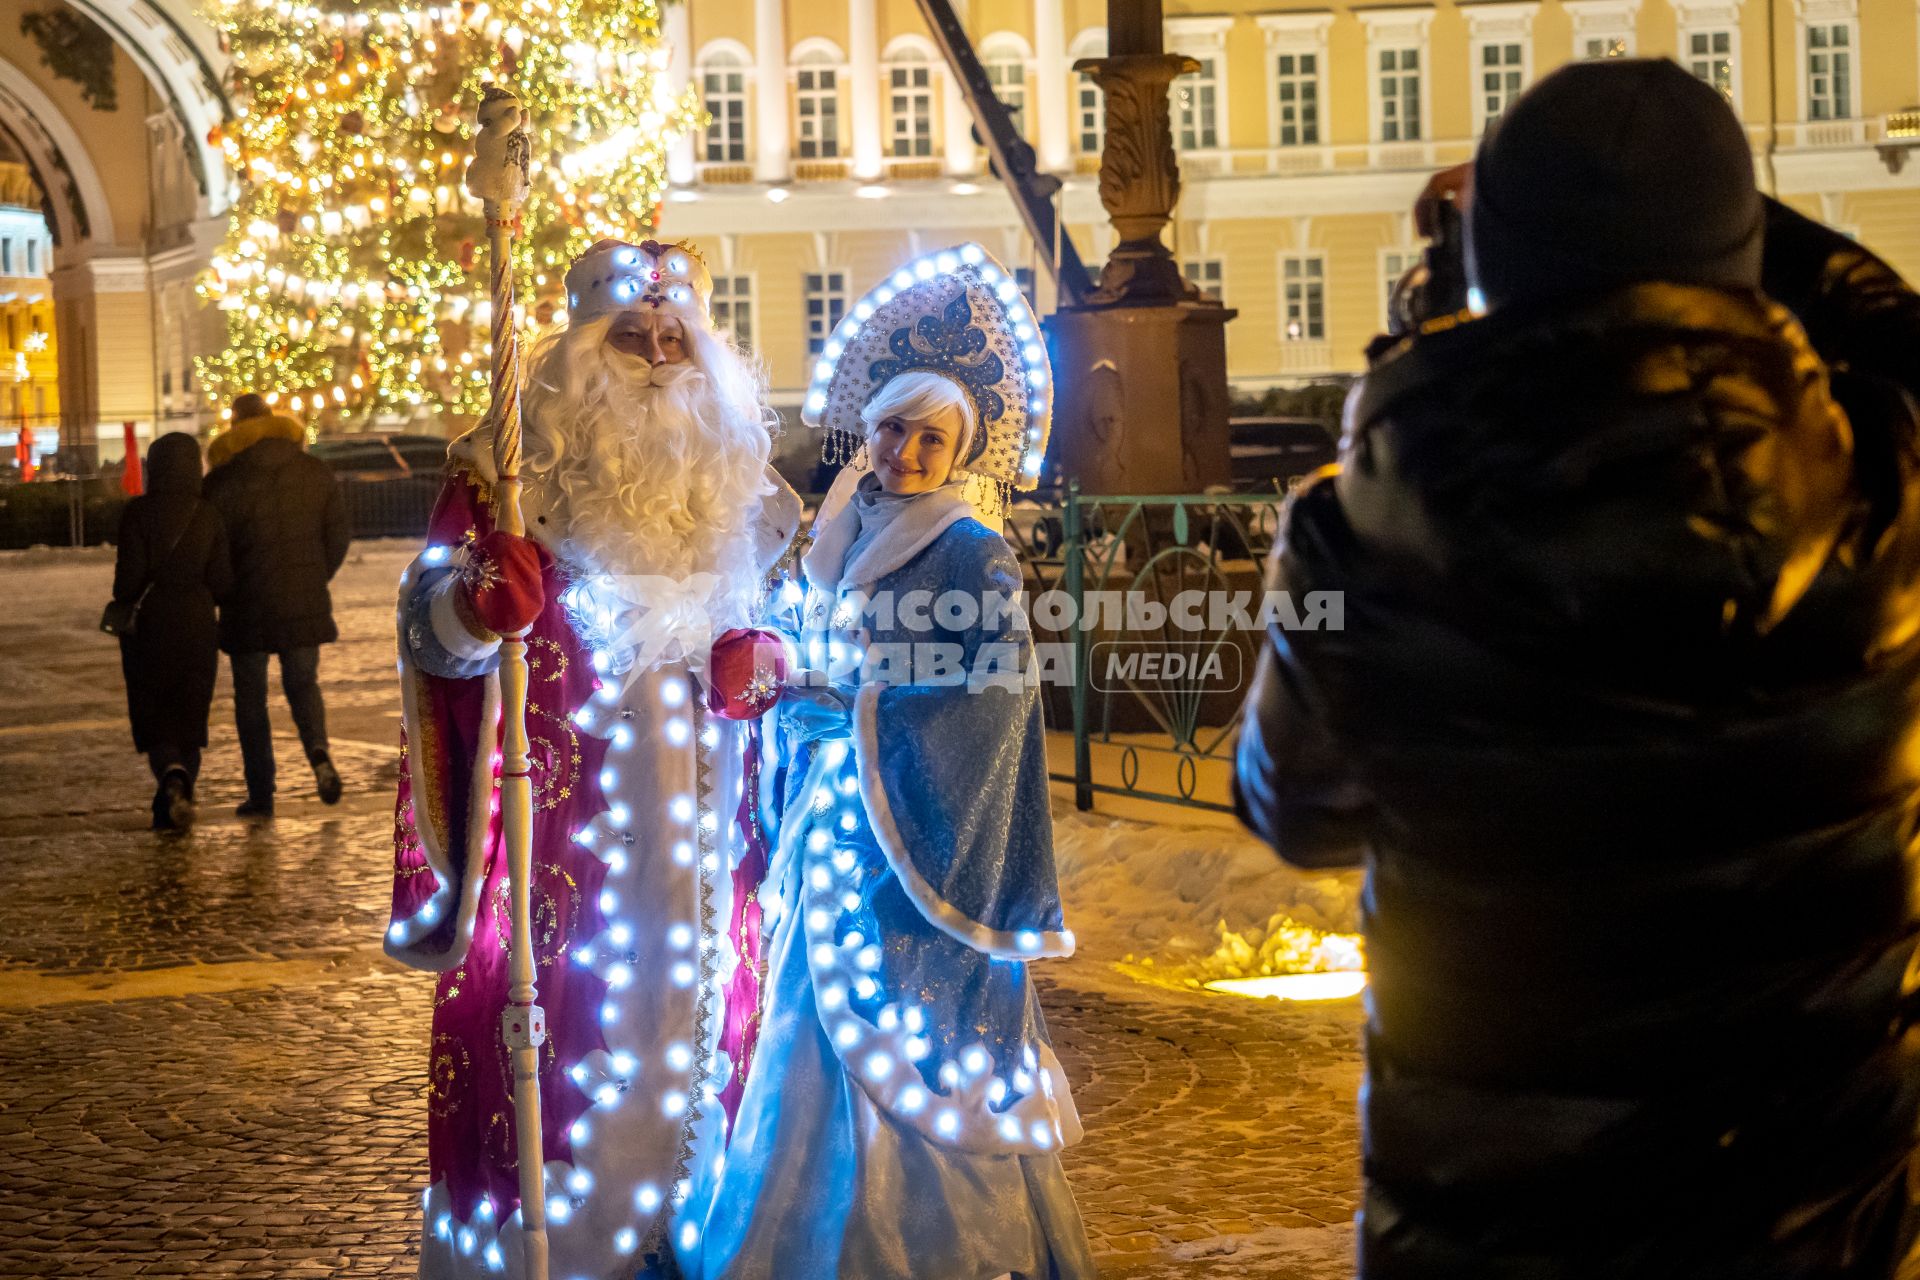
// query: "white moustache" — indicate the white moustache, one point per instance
point(635, 373)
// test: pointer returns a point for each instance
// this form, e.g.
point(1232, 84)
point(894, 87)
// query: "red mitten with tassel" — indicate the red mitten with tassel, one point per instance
point(503, 581)
point(744, 673)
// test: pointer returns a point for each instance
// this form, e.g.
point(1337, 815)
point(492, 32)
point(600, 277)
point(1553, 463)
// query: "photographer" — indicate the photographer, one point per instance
point(1622, 718)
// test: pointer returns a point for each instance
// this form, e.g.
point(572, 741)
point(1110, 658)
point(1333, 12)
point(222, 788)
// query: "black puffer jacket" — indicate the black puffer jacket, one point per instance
point(287, 529)
point(1623, 722)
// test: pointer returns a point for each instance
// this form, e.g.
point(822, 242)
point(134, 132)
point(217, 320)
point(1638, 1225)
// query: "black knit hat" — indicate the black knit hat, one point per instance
point(1611, 172)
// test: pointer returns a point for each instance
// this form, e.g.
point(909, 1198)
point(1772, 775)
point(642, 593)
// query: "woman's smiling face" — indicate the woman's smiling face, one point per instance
point(914, 455)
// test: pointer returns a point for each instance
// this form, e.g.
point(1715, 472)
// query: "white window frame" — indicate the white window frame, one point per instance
point(1296, 34)
point(1028, 281)
point(1497, 26)
point(909, 54)
point(1407, 255)
point(1609, 21)
point(1827, 13)
point(732, 299)
point(1404, 27)
point(1698, 18)
point(1204, 39)
point(738, 61)
point(1089, 99)
point(1305, 336)
point(817, 56)
point(1209, 272)
point(818, 329)
point(999, 52)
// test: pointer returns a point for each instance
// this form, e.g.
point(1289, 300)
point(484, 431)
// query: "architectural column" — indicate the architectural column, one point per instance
point(961, 157)
point(863, 87)
point(1051, 85)
point(104, 318)
point(679, 33)
point(772, 148)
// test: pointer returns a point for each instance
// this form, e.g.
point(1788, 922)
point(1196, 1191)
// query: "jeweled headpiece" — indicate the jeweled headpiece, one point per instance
point(616, 276)
point(960, 314)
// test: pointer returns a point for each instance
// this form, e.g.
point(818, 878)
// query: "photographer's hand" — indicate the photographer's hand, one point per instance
point(1455, 184)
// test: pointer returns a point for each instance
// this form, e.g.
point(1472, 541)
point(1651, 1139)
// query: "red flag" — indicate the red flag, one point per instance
point(131, 479)
point(23, 452)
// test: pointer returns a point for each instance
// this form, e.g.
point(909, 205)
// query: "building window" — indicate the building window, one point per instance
point(724, 85)
point(1205, 273)
point(1196, 106)
point(1092, 110)
point(6, 257)
point(1297, 81)
point(1400, 95)
point(817, 94)
point(1303, 298)
point(826, 302)
point(911, 106)
point(1503, 73)
point(1830, 71)
point(1710, 58)
point(1023, 276)
point(733, 307)
point(1617, 46)
point(1007, 73)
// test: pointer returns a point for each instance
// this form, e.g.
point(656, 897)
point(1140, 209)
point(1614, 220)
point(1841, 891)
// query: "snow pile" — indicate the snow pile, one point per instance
point(1181, 906)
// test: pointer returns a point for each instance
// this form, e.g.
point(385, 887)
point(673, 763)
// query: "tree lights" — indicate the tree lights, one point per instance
point(351, 275)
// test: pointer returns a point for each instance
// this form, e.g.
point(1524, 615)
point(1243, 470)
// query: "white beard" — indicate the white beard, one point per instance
point(652, 481)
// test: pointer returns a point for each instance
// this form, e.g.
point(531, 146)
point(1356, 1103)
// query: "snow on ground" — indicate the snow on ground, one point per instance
point(1179, 906)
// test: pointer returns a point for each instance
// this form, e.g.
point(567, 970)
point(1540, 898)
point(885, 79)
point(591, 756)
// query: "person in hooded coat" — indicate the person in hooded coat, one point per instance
point(172, 558)
point(1621, 719)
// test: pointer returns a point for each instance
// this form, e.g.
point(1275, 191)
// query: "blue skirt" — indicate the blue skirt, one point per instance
point(820, 1184)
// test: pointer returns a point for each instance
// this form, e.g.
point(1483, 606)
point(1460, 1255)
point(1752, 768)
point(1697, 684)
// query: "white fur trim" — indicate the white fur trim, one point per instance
point(454, 635)
point(406, 948)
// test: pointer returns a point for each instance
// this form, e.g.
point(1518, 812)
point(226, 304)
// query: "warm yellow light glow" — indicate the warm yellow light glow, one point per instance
point(1341, 984)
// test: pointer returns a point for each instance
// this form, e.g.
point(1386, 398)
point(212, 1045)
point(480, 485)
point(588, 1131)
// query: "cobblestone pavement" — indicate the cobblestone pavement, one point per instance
point(211, 1070)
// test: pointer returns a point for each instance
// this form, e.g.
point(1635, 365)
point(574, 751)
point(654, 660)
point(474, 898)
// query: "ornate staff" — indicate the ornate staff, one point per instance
point(498, 177)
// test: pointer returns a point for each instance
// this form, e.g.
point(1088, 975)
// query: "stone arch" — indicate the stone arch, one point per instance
point(78, 211)
point(175, 54)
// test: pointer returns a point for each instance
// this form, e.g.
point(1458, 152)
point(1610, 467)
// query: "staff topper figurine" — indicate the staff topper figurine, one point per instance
point(498, 172)
point(498, 177)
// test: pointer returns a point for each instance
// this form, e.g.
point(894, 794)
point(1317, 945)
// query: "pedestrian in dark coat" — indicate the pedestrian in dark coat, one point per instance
point(1622, 720)
point(173, 552)
point(287, 523)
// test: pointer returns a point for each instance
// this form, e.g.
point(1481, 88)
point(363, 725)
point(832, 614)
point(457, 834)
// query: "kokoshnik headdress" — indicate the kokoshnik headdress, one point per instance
point(960, 314)
point(616, 276)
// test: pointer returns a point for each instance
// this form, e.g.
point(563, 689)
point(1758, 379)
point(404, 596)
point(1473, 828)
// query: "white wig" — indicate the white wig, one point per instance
point(920, 395)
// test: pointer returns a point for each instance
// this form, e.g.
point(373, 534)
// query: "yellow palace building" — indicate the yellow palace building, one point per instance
point(29, 372)
point(839, 148)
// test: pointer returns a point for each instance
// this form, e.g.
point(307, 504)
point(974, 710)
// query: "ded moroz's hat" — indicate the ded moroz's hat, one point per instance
point(616, 276)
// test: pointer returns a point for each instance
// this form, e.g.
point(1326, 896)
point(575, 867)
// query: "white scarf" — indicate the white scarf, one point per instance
point(878, 532)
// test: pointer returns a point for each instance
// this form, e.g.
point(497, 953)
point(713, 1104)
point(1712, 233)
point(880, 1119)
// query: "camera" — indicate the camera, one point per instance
point(1436, 285)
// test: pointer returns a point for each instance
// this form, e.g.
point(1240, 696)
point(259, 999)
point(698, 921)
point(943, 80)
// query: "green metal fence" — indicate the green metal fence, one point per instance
point(1146, 734)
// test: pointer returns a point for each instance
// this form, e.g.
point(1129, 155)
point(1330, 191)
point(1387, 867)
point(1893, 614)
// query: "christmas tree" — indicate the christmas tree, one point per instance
point(354, 274)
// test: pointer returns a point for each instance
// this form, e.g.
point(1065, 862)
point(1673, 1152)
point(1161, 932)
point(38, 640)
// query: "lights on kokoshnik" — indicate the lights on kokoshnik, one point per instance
point(971, 259)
